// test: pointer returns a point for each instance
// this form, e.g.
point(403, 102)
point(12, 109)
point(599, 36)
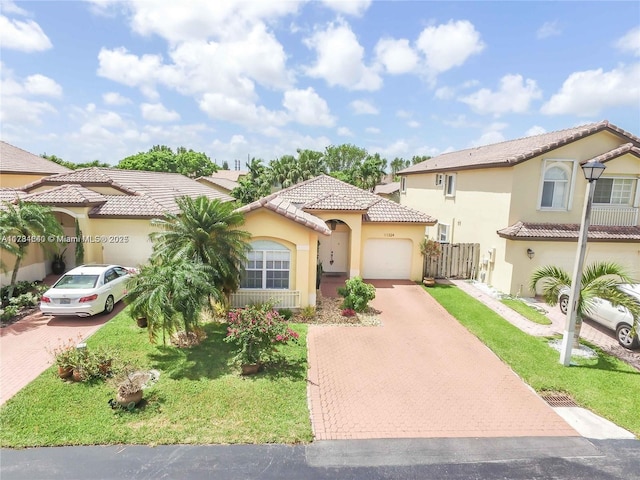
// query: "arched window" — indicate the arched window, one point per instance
point(555, 187)
point(268, 266)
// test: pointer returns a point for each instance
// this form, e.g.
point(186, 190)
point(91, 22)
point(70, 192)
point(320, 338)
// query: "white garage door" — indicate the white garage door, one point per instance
point(387, 258)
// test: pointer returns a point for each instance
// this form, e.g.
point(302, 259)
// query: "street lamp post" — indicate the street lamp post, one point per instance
point(592, 171)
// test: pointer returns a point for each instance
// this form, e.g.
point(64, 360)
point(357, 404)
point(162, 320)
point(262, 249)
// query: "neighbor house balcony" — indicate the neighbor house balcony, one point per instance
point(279, 298)
point(614, 215)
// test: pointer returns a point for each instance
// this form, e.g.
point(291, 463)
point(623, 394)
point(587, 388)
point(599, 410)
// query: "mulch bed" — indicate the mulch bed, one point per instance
point(25, 312)
point(328, 312)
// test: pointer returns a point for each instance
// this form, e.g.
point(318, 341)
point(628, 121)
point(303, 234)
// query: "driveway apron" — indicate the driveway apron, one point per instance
point(420, 374)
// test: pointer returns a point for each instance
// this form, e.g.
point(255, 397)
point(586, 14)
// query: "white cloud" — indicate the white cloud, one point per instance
point(535, 130)
point(488, 138)
point(128, 69)
point(589, 92)
point(548, 29)
point(17, 110)
point(445, 93)
point(25, 36)
point(373, 130)
point(513, 96)
point(241, 112)
point(40, 85)
point(403, 114)
point(413, 124)
point(363, 107)
point(8, 6)
point(345, 132)
point(399, 148)
point(308, 108)
point(114, 98)
point(340, 59)
point(157, 112)
point(396, 56)
point(348, 7)
point(449, 45)
point(630, 42)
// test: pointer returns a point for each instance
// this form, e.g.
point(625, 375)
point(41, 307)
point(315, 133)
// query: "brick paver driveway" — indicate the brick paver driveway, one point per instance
point(420, 374)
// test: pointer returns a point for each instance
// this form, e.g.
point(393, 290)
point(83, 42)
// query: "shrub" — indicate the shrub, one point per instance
point(357, 294)
point(256, 331)
point(286, 313)
point(8, 312)
point(185, 339)
point(308, 312)
point(25, 300)
point(348, 312)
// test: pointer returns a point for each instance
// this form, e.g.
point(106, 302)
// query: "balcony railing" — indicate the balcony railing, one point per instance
point(279, 298)
point(614, 215)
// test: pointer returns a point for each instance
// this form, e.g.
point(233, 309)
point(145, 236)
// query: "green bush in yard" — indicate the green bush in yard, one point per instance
point(357, 294)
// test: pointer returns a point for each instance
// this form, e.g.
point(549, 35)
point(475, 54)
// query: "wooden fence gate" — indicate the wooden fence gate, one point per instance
point(457, 260)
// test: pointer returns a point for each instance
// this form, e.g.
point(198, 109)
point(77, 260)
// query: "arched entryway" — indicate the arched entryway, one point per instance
point(68, 224)
point(333, 251)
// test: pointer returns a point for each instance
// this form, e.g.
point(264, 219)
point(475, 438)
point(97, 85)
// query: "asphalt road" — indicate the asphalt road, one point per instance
point(464, 459)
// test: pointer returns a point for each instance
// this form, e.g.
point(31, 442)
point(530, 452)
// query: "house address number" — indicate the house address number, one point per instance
point(389, 235)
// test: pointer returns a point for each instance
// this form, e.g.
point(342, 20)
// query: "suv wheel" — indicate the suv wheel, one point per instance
point(623, 333)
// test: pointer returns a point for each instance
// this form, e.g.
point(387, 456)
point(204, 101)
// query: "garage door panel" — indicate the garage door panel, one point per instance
point(387, 259)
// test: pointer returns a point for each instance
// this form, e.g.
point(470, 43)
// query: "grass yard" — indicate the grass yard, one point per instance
point(527, 311)
point(605, 385)
point(199, 398)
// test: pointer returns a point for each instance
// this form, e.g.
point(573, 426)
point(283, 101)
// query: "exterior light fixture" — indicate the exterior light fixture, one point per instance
point(530, 253)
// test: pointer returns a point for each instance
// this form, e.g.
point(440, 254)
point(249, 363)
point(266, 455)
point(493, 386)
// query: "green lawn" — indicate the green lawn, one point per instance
point(199, 398)
point(605, 385)
point(527, 311)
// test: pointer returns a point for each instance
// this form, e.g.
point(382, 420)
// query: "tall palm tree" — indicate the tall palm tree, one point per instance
point(207, 232)
point(171, 296)
point(599, 280)
point(22, 224)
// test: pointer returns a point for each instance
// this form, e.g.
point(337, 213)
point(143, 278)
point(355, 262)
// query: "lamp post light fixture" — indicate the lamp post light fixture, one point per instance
point(592, 171)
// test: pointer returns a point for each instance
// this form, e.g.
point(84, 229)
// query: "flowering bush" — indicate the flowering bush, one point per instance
point(256, 331)
point(348, 312)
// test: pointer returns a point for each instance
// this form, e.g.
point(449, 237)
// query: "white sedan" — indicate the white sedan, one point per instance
point(87, 290)
point(616, 318)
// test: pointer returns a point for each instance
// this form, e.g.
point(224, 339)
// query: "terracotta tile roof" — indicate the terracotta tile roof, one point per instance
point(387, 188)
point(220, 182)
point(161, 188)
point(513, 152)
point(617, 152)
point(568, 232)
point(16, 160)
point(327, 193)
point(70, 195)
point(10, 194)
point(130, 206)
point(289, 210)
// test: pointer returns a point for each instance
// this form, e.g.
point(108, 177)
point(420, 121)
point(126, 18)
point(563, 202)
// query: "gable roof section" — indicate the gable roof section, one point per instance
point(16, 160)
point(69, 195)
point(327, 193)
point(617, 152)
point(387, 188)
point(225, 183)
point(232, 175)
point(160, 190)
point(512, 152)
point(289, 210)
point(568, 232)
point(10, 194)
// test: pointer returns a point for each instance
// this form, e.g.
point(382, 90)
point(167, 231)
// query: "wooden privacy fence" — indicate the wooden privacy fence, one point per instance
point(457, 260)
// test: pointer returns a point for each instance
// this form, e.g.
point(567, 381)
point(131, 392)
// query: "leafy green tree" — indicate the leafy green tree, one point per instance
point(369, 173)
point(419, 158)
point(398, 164)
point(75, 166)
point(256, 184)
point(225, 165)
point(171, 295)
point(343, 157)
point(207, 232)
point(161, 158)
point(21, 224)
point(599, 280)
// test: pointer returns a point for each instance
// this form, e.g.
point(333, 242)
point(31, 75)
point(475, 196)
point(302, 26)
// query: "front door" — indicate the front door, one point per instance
point(333, 252)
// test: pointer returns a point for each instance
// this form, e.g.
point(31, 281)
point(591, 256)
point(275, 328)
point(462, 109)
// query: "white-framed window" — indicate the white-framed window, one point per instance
point(614, 191)
point(438, 179)
point(450, 185)
point(557, 184)
point(403, 184)
point(268, 266)
point(443, 232)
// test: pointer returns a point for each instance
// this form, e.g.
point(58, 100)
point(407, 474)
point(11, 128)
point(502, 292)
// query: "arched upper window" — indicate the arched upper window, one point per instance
point(268, 266)
point(556, 185)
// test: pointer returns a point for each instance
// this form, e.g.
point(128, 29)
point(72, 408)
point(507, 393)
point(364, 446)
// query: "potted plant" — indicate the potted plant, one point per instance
point(429, 249)
point(130, 383)
point(256, 331)
point(57, 262)
point(66, 357)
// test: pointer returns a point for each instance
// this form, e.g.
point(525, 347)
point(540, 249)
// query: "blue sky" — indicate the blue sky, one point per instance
point(106, 79)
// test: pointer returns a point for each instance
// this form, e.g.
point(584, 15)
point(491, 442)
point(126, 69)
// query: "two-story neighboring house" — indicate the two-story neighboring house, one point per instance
point(522, 201)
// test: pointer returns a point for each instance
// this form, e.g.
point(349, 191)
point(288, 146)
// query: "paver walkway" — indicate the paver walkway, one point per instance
point(420, 374)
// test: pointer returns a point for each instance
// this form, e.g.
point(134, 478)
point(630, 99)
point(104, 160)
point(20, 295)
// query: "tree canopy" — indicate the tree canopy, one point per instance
point(161, 158)
point(75, 166)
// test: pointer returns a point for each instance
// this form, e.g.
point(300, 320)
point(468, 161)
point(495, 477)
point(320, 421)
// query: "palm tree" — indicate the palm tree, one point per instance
point(599, 280)
point(23, 224)
point(207, 232)
point(171, 295)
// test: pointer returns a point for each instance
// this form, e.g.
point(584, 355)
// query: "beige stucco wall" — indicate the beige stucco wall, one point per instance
point(121, 241)
point(301, 241)
point(17, 180)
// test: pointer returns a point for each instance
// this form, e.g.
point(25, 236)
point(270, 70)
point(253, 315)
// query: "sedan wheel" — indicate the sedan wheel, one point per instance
point(623, 332)
point(108, 305)
point(564, 304)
